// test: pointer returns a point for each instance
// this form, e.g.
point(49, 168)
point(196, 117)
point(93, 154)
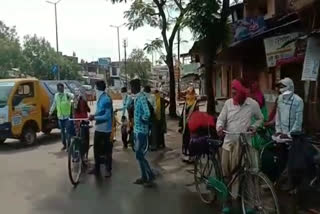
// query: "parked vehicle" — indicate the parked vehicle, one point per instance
point(24, 109)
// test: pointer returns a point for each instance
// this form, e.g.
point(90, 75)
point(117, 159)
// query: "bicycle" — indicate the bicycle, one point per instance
point(255, 187)
point(203, 166)
point(77, 151)
point(250, 179)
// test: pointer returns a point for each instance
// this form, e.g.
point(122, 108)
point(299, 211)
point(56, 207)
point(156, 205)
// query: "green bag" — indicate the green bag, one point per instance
point(258, 141)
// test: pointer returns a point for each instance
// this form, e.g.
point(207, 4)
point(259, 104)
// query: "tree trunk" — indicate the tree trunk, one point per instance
point(172, 86)
point(208, 60)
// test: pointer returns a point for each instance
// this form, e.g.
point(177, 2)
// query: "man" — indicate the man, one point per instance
point(62, 104)
point(289, 118)
point(236, 116)
point(289, 114)
point(141, 130)
point(126, 100)
point(102, 136)
point(126, 103)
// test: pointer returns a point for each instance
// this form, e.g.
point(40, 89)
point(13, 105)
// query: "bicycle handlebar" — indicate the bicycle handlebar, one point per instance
point(79, 119)
point(237, 133)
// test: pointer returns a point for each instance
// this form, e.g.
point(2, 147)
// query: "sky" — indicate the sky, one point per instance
point(83, 26)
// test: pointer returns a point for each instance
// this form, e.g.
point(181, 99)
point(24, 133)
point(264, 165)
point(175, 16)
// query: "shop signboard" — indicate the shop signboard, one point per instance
point(247, 28)
point(282, 47)
point(104, 62)
point(311, 60)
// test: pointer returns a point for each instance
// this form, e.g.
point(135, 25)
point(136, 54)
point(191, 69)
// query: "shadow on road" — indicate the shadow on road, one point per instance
point(16, 146)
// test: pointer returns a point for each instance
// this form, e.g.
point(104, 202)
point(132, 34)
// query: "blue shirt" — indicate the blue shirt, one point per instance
point(141, 114)
point(103, 115)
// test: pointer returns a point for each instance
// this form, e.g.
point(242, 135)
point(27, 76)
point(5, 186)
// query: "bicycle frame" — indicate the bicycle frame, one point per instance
point(244, 163)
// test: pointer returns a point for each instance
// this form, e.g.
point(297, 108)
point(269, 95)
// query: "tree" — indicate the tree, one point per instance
point(10, 51)
point(166, 15)
point(138, 65)
point(41, 58)
point(208, 20)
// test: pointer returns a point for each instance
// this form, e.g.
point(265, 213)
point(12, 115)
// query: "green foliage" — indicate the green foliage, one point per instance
point(141, 13)
point(138, 65)
point(206, 21)
point(10, 51)
point(154, 46)
point(36, 58)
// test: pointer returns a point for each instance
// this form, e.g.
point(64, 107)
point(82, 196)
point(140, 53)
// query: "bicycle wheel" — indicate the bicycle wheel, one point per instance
point(204, 167)
point(74, 162)
point(258, 194)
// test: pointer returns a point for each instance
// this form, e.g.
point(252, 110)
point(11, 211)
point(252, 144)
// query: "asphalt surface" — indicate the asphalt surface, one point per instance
point(34, 180)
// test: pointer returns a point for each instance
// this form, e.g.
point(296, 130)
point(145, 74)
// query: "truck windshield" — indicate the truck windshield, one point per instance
point(5, 89)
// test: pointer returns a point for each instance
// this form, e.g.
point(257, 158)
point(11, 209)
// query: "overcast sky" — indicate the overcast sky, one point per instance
point(83, 26)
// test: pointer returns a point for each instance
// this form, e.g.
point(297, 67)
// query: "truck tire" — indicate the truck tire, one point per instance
point(29, 136)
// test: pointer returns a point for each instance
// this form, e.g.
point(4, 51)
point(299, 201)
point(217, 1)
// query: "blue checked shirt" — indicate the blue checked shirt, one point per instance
point(141, 114)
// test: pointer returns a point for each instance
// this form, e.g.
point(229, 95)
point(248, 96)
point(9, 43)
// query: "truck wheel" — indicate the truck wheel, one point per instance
point(29, 136)
point(2, 140)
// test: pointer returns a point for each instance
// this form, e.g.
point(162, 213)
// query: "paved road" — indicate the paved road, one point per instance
point(34, 180)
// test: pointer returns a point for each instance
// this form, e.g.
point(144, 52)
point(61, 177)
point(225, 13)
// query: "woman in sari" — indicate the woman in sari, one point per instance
point(159, 124)
point(257, 95)
point(189, 107)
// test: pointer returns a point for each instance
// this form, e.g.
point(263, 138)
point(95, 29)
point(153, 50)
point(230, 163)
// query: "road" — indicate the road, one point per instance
point(34, 180)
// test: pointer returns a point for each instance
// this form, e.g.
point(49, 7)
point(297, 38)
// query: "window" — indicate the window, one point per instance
point(26, 90)
point(114, 71)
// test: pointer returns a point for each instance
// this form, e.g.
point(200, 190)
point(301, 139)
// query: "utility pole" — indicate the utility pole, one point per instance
point(118, 34)
point(125, 45)
point(57, 37)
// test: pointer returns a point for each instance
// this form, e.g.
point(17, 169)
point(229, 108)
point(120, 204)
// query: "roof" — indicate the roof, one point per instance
point(18, 80)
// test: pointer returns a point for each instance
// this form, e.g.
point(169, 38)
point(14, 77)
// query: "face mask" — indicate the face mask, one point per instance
point(123, 95)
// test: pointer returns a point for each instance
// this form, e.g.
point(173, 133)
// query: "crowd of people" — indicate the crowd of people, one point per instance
point(144, 125)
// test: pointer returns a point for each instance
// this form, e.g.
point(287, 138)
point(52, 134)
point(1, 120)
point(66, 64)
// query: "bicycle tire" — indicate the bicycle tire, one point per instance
point(71, 151)
point(201, 176)
point(250, 183)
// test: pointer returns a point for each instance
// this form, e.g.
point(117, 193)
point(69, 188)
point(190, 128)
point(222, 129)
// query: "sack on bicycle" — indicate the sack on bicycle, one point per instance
point(202, 127)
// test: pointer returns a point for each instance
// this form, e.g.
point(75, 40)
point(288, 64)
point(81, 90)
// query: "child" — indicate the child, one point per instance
point(124, 131)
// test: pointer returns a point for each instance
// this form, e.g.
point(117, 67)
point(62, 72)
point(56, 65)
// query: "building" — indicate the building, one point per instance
point(272, 37)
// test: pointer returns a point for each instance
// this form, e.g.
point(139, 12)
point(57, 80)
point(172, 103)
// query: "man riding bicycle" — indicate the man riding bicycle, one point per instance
point(236, 116)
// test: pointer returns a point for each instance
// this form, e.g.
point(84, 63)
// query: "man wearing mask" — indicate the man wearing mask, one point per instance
point(236, 116)
point(102, 141)
point(289, 115)
point(141, 129)
point(62, 104)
